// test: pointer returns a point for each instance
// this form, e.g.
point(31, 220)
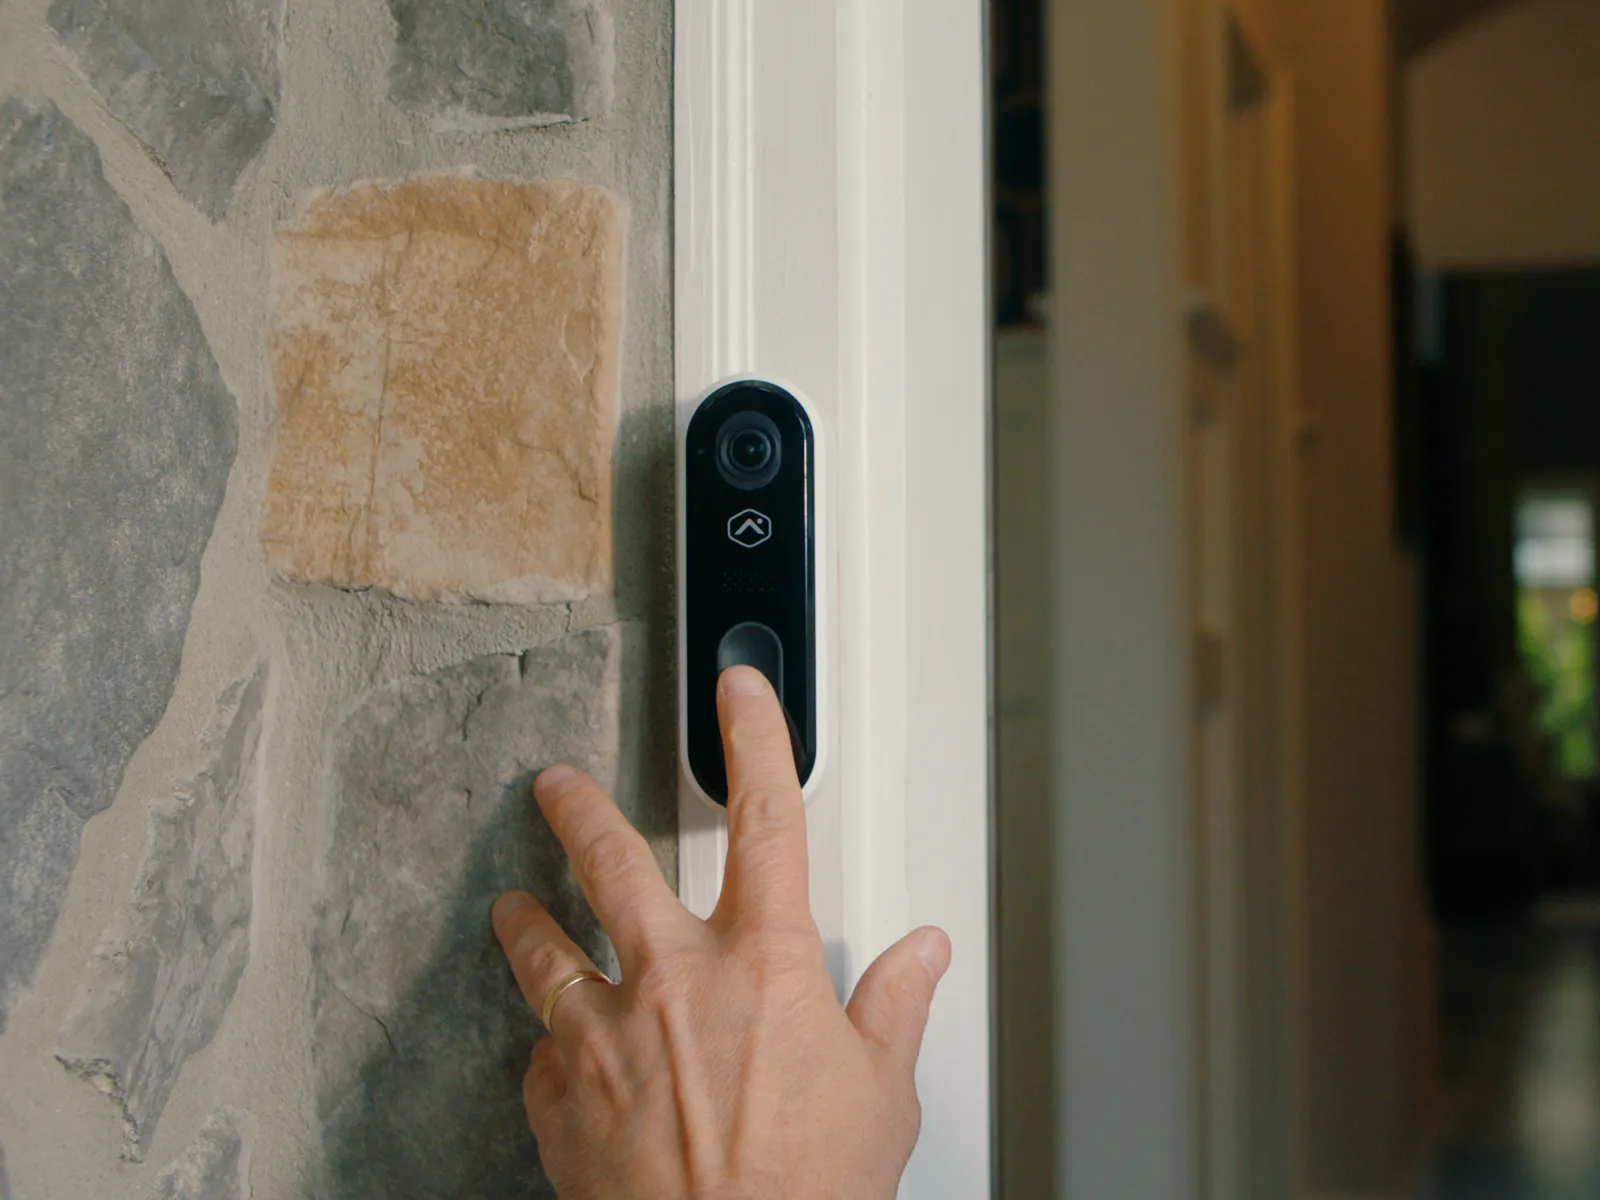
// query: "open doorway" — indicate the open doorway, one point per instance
point(1512, 450)
point(1502, 175)
point(1509, 609)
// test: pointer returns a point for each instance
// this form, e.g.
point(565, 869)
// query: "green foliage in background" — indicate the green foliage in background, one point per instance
point(1558, 654)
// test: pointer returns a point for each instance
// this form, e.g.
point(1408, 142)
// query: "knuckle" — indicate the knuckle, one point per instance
point(598, 1068)
point(545, 1058)
point(541, 1088)
point(608, 858)
point(911, 1113)
point(655, 942)
point(764, 809)
point(777, 931)
point(660, 988)
point(900, 1106)
point(544, 960)
point(775, 957)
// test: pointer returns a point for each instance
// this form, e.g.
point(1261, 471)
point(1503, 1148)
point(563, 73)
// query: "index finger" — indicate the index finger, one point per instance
point(767, 861)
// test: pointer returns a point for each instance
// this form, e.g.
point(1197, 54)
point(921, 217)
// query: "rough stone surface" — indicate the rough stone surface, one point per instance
point(497, 64)
point(116, 438)
point(420, 1037)
point(165, 973)
point(196, 80)
point(445, 358)
point(5, 1188)
point(215, 1166)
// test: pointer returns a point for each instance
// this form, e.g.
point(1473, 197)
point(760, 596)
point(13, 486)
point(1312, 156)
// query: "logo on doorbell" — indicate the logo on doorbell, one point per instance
point(749, 528)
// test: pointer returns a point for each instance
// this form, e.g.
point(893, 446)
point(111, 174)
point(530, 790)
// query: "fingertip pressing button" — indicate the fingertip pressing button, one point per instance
point(753, 644)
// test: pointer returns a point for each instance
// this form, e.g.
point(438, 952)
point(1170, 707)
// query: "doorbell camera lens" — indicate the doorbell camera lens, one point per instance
point(749, 451)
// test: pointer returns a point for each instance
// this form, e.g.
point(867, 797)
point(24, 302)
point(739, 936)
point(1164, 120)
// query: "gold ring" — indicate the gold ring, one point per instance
point(553, 996)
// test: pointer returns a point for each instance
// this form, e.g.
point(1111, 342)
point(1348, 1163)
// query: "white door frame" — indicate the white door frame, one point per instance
point(830, 193)
point(1127, 1050)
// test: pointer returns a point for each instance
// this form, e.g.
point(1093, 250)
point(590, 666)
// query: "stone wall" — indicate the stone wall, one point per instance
point(335, 502)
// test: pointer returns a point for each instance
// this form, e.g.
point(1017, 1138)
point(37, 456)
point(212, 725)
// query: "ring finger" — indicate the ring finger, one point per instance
point(542, 956)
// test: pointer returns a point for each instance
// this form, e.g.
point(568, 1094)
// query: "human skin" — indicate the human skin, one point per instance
point(722, 1066)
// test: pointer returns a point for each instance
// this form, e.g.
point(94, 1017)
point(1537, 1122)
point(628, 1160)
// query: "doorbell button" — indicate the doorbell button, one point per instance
point(752, 644)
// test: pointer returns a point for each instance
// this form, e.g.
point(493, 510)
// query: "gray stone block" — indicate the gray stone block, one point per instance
point(215, 1166)
point(165, 973)
point(196, 80)
point(116, 438)
point(5, 1187)
point(421, 1039)
point(499, 64)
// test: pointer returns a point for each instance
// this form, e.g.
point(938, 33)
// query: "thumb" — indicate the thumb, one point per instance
point(890, 1004)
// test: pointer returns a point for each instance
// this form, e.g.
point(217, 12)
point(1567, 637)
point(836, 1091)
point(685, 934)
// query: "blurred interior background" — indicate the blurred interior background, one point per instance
point(1369, 473)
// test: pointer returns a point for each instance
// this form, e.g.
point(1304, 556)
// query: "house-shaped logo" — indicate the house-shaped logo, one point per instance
point(749, 528)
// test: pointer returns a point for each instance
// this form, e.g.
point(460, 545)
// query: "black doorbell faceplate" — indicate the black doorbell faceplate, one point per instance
point(749, 576)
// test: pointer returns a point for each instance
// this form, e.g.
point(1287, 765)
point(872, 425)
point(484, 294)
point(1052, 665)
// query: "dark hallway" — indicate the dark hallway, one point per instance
point(1520, 1008)
point(1498, 118)
point(1514, 798)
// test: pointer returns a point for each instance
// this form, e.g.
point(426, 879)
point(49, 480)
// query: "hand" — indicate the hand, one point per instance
point(722, 1067)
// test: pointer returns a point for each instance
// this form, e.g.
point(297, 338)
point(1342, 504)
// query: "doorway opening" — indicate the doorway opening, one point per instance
point(1511, 375)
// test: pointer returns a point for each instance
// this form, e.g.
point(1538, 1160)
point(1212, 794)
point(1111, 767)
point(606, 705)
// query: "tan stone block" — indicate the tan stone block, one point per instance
point(444, 353)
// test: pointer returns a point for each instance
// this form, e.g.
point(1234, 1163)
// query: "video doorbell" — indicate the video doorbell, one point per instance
point(751, 570)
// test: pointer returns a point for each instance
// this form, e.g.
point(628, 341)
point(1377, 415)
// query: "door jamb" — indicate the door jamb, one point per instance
point(830, 199)
point(1128, 1050)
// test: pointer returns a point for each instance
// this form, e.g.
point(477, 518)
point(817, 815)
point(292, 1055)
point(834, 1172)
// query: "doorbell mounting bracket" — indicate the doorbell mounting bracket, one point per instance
point(754, 570)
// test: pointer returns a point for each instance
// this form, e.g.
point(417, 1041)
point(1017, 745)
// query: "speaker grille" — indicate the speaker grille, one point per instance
point(744, 581)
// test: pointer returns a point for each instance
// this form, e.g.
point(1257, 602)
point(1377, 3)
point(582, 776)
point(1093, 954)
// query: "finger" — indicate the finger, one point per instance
point(612, 861)
point(890, 1005)
point(542, 955)
point(545, 1083)
point(767, 868)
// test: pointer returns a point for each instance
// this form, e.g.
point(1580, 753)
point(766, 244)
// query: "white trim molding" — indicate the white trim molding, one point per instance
point(1128, 1042)
point(830, 190)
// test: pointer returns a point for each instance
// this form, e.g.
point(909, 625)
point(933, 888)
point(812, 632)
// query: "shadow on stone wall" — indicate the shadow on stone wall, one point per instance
point(647, 591)
point(437, 1111)
point(421, 1038)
